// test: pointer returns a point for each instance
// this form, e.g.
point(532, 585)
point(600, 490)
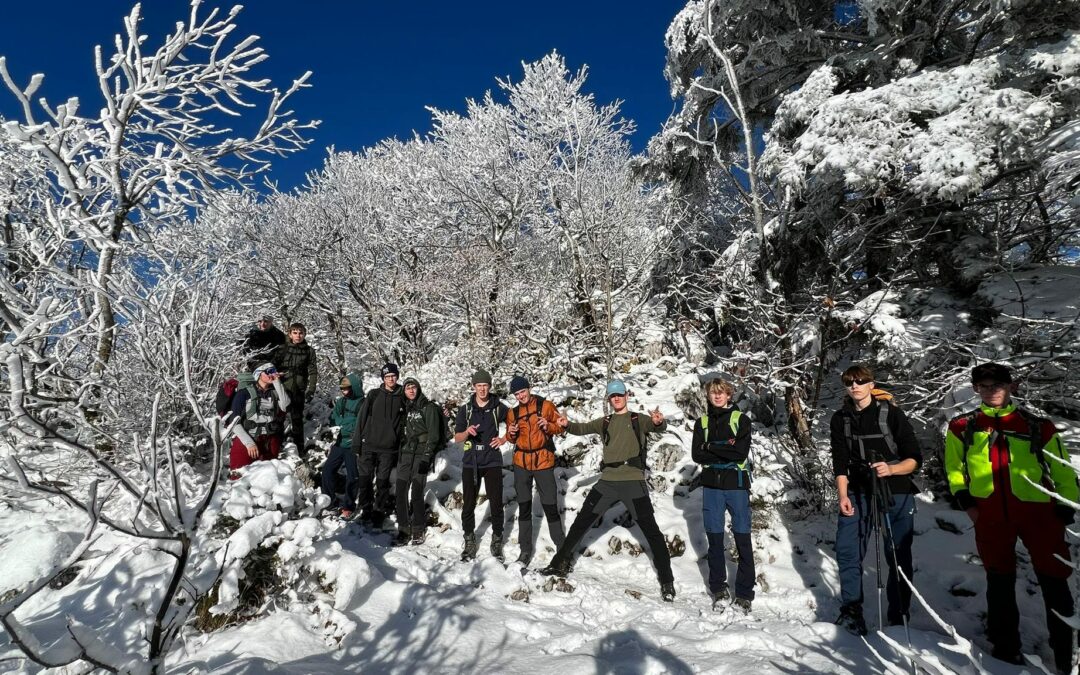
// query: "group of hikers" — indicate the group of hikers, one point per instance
point(1005, 467)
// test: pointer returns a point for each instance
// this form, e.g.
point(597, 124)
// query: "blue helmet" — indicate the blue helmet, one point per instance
point(616, 387)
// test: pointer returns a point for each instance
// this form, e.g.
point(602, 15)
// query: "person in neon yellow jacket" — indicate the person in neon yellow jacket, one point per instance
point(1003, 463)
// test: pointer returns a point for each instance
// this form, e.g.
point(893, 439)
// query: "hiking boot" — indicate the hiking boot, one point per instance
point(851, 619)
point(525, 557)
point(557, 568)
point(469, 551)
point(667, 591)
point(401, 538)
point(418, 537)
point(720, 597)
point(496, 547)
point(743, 605)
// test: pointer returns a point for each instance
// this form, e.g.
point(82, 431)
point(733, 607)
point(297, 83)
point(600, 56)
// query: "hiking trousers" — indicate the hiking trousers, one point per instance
point(376, 464)
point(549, 500)
point(1043, 535)
point(296, 415)
point(341, 457)
point(855, 533)
point(269, 446)
point(470, 489)
point(634, 495)
point(409, 491)
point(716, 505)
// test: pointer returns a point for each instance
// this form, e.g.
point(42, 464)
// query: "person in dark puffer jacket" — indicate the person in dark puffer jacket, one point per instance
point(299, 366)
point(377, 439)
point(422, 434)
point(721, 444)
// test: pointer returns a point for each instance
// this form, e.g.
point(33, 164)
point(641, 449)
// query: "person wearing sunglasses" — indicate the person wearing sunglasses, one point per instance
point(259, 410)
point(1001, 461)
point(874, 454)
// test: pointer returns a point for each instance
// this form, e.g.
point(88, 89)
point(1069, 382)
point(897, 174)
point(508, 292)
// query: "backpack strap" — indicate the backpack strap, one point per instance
point(883, 424)
point(639, 459)
point(1035, 440)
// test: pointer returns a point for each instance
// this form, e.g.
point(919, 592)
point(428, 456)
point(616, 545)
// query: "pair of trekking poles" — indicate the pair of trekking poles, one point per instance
point(880, 507)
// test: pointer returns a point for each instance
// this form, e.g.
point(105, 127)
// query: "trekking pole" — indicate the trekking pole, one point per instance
point(875, 522)
point(896, 566)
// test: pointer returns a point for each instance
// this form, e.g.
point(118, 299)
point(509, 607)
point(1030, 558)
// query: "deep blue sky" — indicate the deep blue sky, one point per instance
point(376, 64)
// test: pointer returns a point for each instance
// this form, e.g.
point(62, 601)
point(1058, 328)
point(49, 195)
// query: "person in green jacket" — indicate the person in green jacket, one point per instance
point(1001, 461)
point(625, 435)
point(343, 416)
point(300, 368)
point(422, 439)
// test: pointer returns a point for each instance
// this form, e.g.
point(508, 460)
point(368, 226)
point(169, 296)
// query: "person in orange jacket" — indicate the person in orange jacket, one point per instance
point(531, 426)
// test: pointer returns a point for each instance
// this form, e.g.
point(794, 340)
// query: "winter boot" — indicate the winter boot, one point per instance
point(743, 605)
point(496, 547)
point(469, 552)
point(851, 619)
point(402, 537)
point(557, 568)
point(720, 598)
point(667, 591)
point(418, 536)
point(525, 557)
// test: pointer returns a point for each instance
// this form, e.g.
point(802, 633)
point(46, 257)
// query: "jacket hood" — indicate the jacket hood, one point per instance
point(356, 384)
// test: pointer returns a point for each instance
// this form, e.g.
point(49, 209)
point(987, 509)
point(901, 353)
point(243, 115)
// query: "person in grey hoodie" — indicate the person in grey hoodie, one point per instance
point(422, 440)
point(377, 439)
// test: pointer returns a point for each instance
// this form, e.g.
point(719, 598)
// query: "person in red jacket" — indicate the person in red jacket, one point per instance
point(999, 471)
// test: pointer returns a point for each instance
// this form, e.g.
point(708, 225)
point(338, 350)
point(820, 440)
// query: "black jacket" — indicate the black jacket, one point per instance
point(262, 343)
point(723, 446)
point(423, 418)
point(380, 423)
point(865, 422)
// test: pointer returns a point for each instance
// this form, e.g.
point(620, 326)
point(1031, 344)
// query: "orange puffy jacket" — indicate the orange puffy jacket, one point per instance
point(535, 449)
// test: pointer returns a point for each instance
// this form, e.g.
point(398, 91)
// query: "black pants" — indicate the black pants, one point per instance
point(341, 456)
point(470, 488)
point(296, 413)
point(409, 491)
point(635, 496)
point(549, 500)
point(377, 463)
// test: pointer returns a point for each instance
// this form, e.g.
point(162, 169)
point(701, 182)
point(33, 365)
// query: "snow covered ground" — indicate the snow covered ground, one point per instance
point(419, 609)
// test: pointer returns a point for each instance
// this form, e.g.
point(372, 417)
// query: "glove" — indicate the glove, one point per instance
point(423, 467)
point(964, 500)
point(1065, 513)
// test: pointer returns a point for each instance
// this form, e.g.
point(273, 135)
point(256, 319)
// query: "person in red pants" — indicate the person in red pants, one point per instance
point(259, 410)
point(996, 462)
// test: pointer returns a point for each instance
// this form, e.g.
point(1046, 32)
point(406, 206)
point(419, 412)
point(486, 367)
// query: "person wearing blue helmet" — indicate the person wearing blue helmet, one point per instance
point(625, 437)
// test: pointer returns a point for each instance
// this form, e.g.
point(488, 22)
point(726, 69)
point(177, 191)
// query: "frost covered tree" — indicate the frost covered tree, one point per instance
point(115, 324)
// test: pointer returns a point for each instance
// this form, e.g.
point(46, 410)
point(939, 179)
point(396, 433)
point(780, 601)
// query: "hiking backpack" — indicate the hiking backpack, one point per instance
point(549, 444)
point(227, 392)
point(744, 468)
point(882, 397)
point(639, 460)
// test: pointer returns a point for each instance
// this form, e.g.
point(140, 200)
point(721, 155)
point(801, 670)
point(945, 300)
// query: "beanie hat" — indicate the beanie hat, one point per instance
point(412, 381)
point(261, 369)
point(346, 383)
point(481, 376)
point(390, 369)
point(991, 371)
point(517, 383)
point(616, 387)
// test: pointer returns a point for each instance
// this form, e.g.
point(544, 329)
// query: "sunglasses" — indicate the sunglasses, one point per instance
point(270, 371)
point(849, 381)
point(990, 386)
